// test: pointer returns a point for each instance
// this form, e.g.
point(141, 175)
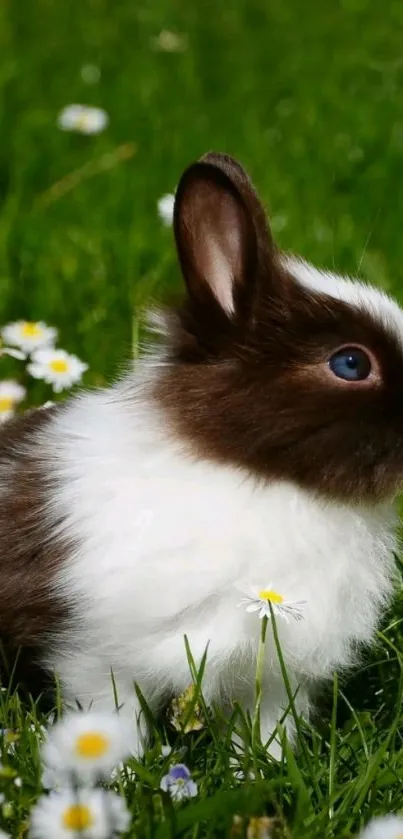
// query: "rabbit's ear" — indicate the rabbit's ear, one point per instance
point(221, 233)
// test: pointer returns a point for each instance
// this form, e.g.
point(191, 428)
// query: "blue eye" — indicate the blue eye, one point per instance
point(351, 364)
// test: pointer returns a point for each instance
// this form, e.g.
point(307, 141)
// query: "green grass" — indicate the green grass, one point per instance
point(310, 99)
point(347, 766)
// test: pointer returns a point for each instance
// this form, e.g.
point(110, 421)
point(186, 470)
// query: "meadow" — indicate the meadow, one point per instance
point(310, 99)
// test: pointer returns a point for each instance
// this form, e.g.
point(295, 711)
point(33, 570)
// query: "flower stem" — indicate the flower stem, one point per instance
point(258, 683)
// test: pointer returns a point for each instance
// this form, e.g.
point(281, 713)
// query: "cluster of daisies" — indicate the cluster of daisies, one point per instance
point(81, 754)
point(34, 343)
point(85, 752)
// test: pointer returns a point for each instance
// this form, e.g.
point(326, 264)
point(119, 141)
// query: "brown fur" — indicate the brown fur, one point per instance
point(253, 388)
point(29, 552)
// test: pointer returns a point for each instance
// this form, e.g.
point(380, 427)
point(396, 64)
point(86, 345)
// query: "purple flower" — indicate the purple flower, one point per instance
point(178, 782)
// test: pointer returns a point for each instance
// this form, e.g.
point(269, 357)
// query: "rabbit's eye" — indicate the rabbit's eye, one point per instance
point(351, 364)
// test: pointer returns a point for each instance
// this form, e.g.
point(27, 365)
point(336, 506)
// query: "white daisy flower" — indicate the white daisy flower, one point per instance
point(384, 827)
point(83, 119)
point(29, 335)
point(11, 393)
point(166, 208)
point(260, 599)
point(87, 744)
point(91, 814)
point(56, 367)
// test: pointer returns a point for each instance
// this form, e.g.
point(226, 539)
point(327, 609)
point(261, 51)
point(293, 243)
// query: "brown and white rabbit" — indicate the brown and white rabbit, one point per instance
point(263, 441)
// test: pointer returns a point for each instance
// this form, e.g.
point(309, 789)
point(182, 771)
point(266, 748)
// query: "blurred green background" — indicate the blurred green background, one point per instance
point(308, 96)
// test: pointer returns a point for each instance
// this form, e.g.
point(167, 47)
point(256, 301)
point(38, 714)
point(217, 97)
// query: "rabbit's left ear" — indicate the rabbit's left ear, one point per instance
point(221, 233)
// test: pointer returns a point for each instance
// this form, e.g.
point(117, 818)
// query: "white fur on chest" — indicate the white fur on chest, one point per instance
point(163, 543)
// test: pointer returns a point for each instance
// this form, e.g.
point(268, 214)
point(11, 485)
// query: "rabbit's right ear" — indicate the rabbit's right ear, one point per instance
point(221, 233)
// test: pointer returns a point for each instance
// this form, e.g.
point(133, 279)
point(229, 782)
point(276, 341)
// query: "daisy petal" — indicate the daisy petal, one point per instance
point(252, 607)
point(88, 744)
point(18, 354)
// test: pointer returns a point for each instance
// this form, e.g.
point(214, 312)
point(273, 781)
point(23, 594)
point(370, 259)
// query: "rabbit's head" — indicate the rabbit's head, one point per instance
point(273, 366)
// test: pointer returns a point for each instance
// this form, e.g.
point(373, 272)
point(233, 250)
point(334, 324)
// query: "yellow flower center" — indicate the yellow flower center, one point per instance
point(59, 365)
point(31, 330)
point(6, 404)
point(270, 595)
point(78, 817)
point(92, 745)
point(83, 121)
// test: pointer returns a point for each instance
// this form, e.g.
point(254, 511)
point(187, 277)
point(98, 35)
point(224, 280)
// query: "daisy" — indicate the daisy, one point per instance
point(384, 827)
point(83, 119)
point(29, 335)
point(260, 600)
point(91, 814)
point(56, 367)
point(11, 393)
point(88, 745)
point(178, 782)
point(166, 208)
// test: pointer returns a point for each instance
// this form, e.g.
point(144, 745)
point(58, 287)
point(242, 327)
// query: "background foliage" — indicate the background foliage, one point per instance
point(310, 100)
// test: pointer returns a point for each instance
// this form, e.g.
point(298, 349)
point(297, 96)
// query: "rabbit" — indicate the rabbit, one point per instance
point(258, 442)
